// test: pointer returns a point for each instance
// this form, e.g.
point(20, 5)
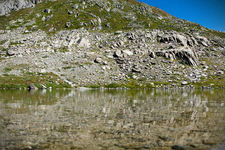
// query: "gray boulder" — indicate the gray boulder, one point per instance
point(98, 60)
point(47, 10)
point(13, 51)
point(75, 6)
point(184, 83)
point(83, 42)
point(136, 69)
point(152, 54)
point(220, 72)
point(68, 24)
point(118, 54)
point(10, 53)
point(127, 52)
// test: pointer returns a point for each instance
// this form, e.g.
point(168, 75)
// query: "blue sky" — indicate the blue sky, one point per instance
point(209, 13)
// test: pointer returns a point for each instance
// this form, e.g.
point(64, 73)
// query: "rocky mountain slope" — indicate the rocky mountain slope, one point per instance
point(111, 43)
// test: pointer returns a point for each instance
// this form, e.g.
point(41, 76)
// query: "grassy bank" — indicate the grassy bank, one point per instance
point(50, 80)
point(38, 79)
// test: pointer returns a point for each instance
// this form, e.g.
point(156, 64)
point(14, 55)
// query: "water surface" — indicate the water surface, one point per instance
point(112, 119)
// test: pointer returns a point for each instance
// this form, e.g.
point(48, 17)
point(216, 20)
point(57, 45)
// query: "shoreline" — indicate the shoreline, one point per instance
point(108, 87)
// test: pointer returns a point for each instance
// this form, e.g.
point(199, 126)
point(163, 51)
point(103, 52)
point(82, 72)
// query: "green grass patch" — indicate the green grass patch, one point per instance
point(7, 69)
point(217, 33)
point(15, 43)
point(212, 81)
point(67, 67)
point(47, 79)
point(62, 49)
point(3, 49)
point(160, 12)
point(111, 21)
point(2, 42)
point(216, 81)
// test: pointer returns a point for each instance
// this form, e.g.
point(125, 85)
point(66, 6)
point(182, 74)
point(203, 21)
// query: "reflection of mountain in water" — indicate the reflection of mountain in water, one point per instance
point(116, 119)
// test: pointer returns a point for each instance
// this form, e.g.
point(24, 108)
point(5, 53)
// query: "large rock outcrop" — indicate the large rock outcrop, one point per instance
point(6, 6)
point(184, 54)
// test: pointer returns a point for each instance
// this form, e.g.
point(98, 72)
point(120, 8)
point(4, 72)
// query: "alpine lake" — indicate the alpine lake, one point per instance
point(94, 119)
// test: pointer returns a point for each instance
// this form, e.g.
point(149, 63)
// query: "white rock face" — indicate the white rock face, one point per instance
point(129, 53)
point(8, 5)
point(181, 39)
point(184, 83)
point(188, 55)
point(83, 42)
point(202, 40)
